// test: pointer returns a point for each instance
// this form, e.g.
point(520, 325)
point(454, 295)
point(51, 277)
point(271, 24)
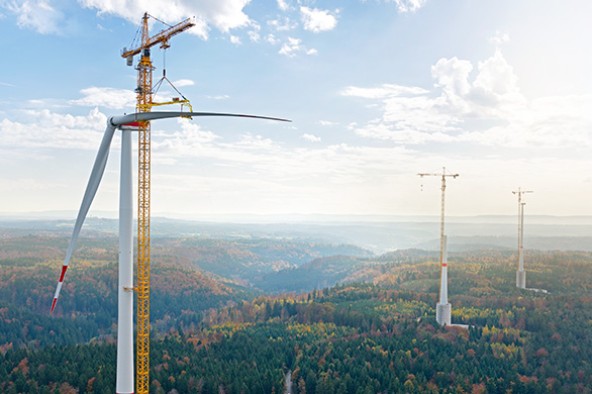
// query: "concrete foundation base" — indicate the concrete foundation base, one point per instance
point(443, 314)
point(521, 279)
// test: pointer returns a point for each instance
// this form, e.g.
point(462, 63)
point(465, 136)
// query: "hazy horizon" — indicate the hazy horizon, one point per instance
point(302, 217)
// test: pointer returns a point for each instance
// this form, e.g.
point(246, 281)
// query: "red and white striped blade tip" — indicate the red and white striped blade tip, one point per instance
point(53, 305)
point(58, 288)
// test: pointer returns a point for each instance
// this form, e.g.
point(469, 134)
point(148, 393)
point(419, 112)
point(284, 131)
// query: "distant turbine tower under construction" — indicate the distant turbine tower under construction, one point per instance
point(443, 308)
point(520, 273)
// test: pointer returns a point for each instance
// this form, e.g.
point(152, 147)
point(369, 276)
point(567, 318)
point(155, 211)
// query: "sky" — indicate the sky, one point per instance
point(498, 91)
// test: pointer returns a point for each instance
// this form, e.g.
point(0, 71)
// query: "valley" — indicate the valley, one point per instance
point(236, 314)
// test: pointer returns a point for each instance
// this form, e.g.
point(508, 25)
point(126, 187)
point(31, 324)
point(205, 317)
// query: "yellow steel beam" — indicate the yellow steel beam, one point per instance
point(145, 104)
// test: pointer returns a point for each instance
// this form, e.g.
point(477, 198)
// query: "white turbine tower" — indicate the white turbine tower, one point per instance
point(520, 273)
point(443, 308)
point(125, 336)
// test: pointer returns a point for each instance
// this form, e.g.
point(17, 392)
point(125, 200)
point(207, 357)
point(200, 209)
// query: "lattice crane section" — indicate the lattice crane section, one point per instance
point(145, 104)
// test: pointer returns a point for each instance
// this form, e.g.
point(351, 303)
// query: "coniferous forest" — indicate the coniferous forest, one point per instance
point(361, 323)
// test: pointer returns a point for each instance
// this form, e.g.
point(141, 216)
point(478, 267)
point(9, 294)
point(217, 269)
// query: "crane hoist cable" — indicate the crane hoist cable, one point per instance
point(182, 100)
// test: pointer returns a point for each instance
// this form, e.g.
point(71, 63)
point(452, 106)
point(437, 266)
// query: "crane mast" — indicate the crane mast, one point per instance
point(144, 104)
point(443, 175)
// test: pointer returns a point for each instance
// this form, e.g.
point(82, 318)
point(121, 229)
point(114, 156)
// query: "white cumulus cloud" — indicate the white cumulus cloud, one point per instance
point(183, 82)
point(317, 20)
point(46, 129)
point(283, 5)
point(294, 46)
point(311, 137)
point(235, 40)
point(254, 32)
point(480, 105)
point(39, 15)
point(272, 39)
point(496, 76)
point(404, 6)
point(106, 97)
point(222, 14)
point(452, 75)
point(282, 24)
point(499, 38)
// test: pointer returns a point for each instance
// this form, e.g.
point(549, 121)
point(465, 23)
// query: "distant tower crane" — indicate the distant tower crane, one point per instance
point(520, 273)
point(443, 308)
point(144, 92)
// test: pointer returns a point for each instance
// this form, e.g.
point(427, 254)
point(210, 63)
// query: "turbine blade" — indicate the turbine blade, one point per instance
point(146, 116)
point(237, 116)
point(91, 189)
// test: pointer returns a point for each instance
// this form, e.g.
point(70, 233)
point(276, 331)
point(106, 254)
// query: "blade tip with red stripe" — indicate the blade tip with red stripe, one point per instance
point(64, 269)
point(53, 304)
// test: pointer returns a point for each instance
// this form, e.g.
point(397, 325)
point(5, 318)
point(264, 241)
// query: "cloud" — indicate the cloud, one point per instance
point(452, 75)
point(190, 140)
point(404, 6)
point(190, 133)
point(255, 31)
point(235, 40)
point(38, 15)
point(263, 156)
point(283, 24)
point(311, 138)
point(46, 129)
point(283, 5)
point(497, 77)
point(106, 97)
point(219, 97)
point(477, 105)
point(254, 36)
point(316, 20)
point(274, 178)
point(562, 123)
point(224, 15)
point(499, 38)
point(409, 115)
point(183, 82)
point(294, 46)
point(327, 123)
point(382, 91)
point(272, 39)
point(291, 48)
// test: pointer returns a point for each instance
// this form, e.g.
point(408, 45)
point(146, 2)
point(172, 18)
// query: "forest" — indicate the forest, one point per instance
point(226, 317)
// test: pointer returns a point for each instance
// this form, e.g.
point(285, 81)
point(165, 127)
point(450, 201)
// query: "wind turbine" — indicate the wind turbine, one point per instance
point(443, 308)
point(126, 123)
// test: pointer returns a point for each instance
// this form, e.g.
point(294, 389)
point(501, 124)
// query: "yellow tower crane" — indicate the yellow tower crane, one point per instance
point(145, 104)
